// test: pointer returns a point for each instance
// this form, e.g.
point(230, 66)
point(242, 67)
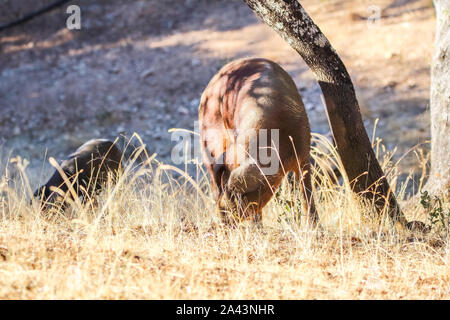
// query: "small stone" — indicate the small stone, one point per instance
point(115, 70)
point(412, 84)
point(160, 104)
point(195, 62)
point(211, 21)
point(183, 111)
point(391, 55)
point(147, 73)
point(194, 102)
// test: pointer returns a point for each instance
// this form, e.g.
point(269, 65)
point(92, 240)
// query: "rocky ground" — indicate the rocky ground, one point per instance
point(141, 65)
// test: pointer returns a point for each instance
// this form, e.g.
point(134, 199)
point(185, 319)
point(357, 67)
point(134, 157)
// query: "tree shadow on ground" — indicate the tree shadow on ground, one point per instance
point(107, 22)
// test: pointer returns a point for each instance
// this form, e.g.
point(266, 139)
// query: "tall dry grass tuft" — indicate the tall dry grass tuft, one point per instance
point(155, 235)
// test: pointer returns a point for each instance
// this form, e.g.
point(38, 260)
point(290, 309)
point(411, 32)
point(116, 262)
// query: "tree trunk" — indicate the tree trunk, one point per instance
point(439, 180)
point(294, 25)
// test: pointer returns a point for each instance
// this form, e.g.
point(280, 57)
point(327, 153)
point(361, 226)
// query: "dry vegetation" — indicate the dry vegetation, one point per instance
point(156, 237)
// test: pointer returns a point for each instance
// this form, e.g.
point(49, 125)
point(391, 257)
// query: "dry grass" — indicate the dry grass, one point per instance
point(156, 237)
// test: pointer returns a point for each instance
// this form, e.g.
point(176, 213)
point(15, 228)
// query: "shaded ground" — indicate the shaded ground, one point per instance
point(140, 66)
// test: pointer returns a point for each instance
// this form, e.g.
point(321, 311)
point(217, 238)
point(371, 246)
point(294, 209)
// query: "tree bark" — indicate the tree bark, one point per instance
point(439, 179)
point(294, 25)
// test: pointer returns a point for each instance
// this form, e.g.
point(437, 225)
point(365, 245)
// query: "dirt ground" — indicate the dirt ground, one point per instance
point(140, 66)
